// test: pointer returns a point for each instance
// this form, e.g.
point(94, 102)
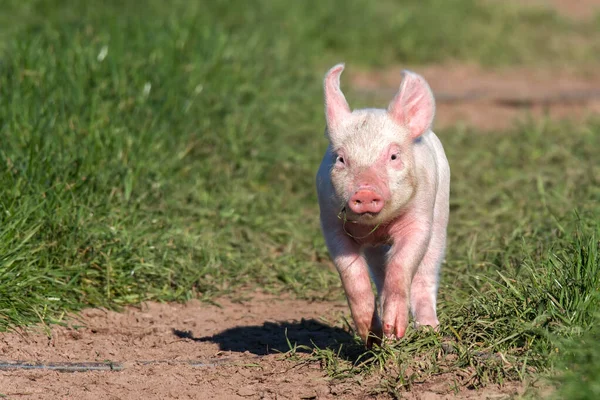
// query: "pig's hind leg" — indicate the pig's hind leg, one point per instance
point(424, 286)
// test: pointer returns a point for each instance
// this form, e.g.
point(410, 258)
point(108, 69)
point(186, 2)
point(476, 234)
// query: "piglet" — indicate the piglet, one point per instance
point(383, 189)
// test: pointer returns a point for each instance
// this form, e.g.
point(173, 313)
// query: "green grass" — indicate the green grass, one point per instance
point(579, 370)
point(368, 33)
point(169, 152)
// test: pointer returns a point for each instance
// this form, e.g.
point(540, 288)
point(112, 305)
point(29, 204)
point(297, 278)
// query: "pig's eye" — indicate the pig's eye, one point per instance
point(394, 157)
point(340, 159)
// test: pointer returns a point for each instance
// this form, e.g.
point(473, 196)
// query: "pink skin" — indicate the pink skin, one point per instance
point(366, 201)
point(369, 189)
point(393, 192)
point(353, 271)
point(336, 107)
point(396, 275)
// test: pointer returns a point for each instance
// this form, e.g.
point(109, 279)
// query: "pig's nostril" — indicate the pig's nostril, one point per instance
point(366, 201)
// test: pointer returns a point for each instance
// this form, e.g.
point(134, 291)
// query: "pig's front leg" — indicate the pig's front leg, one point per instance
point(352, 268)
point(405, 256)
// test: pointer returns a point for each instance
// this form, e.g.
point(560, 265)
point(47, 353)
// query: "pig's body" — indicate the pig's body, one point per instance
point(383, 188)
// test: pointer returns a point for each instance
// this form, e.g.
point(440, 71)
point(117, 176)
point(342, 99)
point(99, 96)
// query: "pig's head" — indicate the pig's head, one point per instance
point(372, 159)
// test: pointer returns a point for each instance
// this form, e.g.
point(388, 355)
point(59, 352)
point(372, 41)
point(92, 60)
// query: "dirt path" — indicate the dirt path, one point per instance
point(580, 10)
point(175, 351)
point(194, 351)
point(493, 99)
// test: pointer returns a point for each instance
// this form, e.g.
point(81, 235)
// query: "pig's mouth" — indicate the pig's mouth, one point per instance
point(350, 216)
point(357, 219)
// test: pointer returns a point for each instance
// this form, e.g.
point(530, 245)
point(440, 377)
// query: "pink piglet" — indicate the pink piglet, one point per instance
point(383, 189)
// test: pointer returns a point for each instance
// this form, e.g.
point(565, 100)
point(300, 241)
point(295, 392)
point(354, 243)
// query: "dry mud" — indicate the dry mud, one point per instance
point(233, 350)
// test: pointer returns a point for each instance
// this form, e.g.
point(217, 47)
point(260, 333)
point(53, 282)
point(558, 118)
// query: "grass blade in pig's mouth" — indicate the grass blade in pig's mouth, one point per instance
point(352, 217)
point(343, 216)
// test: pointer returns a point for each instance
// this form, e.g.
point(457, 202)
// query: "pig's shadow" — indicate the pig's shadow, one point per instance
point(272, 337)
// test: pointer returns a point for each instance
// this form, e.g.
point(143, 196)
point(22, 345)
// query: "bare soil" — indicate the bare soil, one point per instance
point(496, 99)
point(580, 10)
point(233, 350)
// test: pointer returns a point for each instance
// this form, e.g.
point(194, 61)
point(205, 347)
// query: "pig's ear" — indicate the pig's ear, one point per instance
point(413, 106)
point(336, 107)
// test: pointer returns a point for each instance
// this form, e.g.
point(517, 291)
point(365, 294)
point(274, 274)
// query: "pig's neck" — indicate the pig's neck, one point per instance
point(366, 235)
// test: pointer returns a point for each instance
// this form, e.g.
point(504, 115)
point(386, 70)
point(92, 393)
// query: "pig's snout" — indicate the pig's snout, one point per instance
point(366, 201)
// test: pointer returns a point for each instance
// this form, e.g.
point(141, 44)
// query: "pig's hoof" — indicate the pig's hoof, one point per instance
point(393, 333)
point(435, 325)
